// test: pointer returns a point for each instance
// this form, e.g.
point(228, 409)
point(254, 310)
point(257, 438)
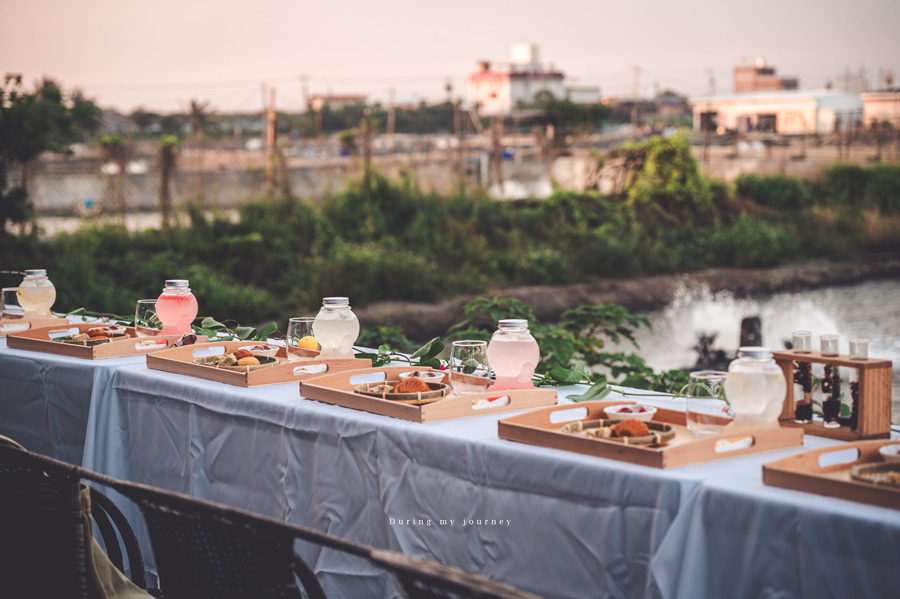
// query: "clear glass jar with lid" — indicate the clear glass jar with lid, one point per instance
point(513, 355)
point(36, 293)
point(176, 308)
point(755, 389)
point(336, 328)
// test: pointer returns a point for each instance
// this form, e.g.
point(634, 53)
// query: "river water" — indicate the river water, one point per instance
point(870, 310)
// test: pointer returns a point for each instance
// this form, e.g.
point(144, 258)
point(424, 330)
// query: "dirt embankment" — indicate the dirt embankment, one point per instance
point(422, 321)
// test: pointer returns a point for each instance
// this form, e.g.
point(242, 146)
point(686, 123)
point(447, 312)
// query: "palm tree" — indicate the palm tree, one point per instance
point(198, 116)
point(168, 157)
point(117, 149)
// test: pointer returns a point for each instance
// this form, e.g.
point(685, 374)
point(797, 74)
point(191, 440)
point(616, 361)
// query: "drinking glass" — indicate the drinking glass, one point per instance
point(11, 307)
point(829, 345)
point(802, 342)
point(469, 371)
point(301, 342)
point(706, 410)
point(146, 322)
point(859, 348)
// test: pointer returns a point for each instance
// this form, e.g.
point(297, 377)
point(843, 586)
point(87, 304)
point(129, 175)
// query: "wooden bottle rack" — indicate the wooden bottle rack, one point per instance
point(874, 404)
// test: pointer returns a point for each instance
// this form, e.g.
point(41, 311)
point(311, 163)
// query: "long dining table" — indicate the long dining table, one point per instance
point(555, 523)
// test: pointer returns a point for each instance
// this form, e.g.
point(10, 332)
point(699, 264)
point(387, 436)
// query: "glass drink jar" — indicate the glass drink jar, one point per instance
point(36, 293)
point(176, 308)
point(336, 328)
point(513, 355)
point(755, 388)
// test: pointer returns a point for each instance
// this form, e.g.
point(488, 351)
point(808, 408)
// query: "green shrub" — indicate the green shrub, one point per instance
point(844, 185)
point(750, 242)
point(883, 188)
point(775, 191)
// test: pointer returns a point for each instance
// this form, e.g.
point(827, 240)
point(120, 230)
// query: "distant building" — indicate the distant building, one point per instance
point(782, 112)
point(335, 102)
point(511, 87)
point(881, 107)
point(761, 78)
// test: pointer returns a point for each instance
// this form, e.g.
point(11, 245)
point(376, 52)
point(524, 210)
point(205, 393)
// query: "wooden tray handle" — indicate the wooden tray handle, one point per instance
point(810, 460)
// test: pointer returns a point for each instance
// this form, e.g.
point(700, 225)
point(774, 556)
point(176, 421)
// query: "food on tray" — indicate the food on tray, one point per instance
point(630, 431)
point(411, 385)
point(236, 359)
point(263, 347)
point(630, 428)
point(381, 388)
point(98, 334)
point(627, 410)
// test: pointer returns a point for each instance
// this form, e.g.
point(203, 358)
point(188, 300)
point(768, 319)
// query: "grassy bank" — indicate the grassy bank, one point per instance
point(391, 240)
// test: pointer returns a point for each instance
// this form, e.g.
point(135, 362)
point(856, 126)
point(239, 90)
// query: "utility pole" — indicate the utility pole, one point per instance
point(712, 81)
point(270, 144)
point(304, 82)
point(457, 127)
point(635, 117)
point(637, 81)
point(391, 119)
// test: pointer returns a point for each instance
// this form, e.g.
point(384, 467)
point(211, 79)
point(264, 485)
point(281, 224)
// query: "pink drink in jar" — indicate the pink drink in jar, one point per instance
point(176, 308)
point(513, 355)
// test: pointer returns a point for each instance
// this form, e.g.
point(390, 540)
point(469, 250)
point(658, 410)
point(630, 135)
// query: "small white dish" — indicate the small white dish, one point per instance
point(262, 349)
point(890, 453)
point(429, 376)
point(626, 411)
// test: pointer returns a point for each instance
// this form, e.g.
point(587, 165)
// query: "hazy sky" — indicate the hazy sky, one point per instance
point(163, 53)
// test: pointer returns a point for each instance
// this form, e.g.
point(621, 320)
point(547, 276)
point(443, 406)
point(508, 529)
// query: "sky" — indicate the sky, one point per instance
point(160, 55)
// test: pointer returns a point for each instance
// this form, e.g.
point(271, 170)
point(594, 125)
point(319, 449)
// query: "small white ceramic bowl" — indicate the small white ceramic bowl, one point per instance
point(429, 376)
point(262, 349)
point(626, 411)
point(890, 453)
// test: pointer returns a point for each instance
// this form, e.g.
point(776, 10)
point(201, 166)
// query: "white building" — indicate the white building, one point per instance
point(784, 112)
point(881, 107)
point(514, 86)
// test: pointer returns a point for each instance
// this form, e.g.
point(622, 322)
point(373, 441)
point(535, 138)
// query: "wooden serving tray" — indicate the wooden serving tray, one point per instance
point(40, 340)
point(9, 326)
point(804, 472)
point(180, 360)
point(537, 428)
point(337, 389)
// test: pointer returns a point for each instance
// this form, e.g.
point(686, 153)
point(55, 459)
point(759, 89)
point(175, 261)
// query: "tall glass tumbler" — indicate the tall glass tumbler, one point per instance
point(706, 410)
point(146, 322)
point(301, 342)
point(469, 370)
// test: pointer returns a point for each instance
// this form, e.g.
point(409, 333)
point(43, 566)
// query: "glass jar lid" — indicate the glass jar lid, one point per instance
point(335, 302)
point(36, 272)
point(513, 324)
point(177, 283)
point(755, 352)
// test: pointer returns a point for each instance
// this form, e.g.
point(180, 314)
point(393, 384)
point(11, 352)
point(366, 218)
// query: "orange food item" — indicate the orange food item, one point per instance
point(411, 385)
point(630, 428)
point(98, 334)
point(308, 342)
point(248, 361)
point(242, 353)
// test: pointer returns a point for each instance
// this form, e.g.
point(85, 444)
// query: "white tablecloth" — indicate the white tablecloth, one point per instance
point(45, 399)
point(551, 522)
